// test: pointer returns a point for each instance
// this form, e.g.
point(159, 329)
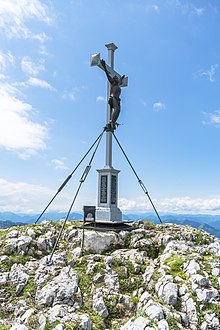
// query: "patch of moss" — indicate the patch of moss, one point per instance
point(155, 277)
point(96, 319)
point(135, 300)
point(33, 322)
point(73, 326)
point(153, 250)
point(212, 308)
point(99, 268)
point(111, 305)
point(29, 289)
point(5, 327)
point(117, 311)
point(128, 241)
point(8, 289)
point(3, 233)
point(6, 266)
point(176, 266)
point(19, 259)
point(128, 280)
point(84, 280)
point(200, 238)
point(172, 322)
point(148, 224)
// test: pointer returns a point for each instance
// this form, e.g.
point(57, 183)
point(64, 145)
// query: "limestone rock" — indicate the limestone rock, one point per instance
point(99, 305)
point(167, 290)
point(99, 242)
point(60, 290)
point(206, 295)
point(163, 325)
point(140, 323)
point(18, 275)
point(111, 280)
point(153, 310)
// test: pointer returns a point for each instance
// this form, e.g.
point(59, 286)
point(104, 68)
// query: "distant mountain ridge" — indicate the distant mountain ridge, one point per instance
point(209, 223)
point(31, 218)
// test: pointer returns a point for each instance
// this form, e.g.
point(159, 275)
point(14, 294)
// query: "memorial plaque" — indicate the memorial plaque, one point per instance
point(113, 189)
point(103, 189)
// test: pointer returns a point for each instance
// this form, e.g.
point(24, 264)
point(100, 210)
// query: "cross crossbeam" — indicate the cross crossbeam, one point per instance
point(96, 61)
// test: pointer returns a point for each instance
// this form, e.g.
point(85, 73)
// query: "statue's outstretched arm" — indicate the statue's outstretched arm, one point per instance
point(106, 71)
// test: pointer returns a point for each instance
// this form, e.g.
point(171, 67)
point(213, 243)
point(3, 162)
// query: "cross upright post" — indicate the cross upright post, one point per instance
point(107, 206)
point(108, 160)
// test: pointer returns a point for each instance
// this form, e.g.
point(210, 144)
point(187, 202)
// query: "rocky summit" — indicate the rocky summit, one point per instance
point(164, 277)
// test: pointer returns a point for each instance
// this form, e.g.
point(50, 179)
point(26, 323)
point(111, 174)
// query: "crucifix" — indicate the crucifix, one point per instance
point(107, 209)
point(115, 81)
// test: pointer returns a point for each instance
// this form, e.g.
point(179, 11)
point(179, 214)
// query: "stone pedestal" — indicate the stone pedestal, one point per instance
point(107, 208)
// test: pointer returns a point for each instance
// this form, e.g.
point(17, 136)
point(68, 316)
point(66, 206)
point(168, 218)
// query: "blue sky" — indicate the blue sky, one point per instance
point(52, 103)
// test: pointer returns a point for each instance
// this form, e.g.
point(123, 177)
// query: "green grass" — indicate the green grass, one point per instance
point(29, 289)
point(149, 225)
point(176, 266)
point(172, 322)
point(5, 327)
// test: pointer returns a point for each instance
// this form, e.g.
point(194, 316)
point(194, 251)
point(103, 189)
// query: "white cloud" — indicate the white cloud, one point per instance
point(39, 83)
point(68, 96)
point(101, 99)
point(209, 73)
point(155, 8)
point(158, 106)
point(198, 11)
point(190, 205)
point(16, 14)
point(209, 205)
point(212, 118)
point(5, 60)
point(31, 68)
point(29, 198)
point(59, 164)
point(186, 7)
point(17, 131)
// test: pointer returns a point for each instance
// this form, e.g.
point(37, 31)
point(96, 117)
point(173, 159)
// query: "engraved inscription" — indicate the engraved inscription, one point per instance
point(103, 190)
point(113, 189)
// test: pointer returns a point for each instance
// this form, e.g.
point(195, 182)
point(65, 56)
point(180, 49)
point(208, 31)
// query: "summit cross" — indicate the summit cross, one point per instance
point(107, 206)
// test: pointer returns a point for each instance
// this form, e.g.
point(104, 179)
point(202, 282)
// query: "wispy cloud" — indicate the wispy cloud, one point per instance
point(156, 8)
point(5, 60)
point(29, 198)
point(36, 82)
point(15, 15)
point(101, 99)
point(209, 73)
point(31, 68)
point(198, 11)
point(212, 118)
point(70, 96)
point(185, 7)
point(158, 106)
point(209, 205)
point(59, 164)
point(18, 132)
